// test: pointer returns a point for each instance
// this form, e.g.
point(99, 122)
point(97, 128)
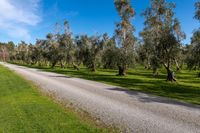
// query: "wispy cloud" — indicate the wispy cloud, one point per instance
point(17, 15)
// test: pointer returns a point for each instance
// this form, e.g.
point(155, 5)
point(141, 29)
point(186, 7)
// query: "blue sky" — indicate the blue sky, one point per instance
point(31, 19)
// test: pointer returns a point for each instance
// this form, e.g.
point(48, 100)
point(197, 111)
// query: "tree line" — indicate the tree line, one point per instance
point(159, 45)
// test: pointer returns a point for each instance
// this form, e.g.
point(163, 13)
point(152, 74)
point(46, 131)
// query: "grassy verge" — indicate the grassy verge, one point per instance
point(24, 109)
point(187, 88)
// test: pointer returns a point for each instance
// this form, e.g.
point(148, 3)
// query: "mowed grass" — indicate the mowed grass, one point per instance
point(24, 110)
point(186, 89)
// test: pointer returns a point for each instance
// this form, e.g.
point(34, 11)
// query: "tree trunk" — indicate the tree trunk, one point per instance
point(45, 63)
point(122, 71)
point(39, 63)
point(177, 65)
point(53, 64)
point(170, 73)
point(155, 71)
point(75, 66)
point(62, 64)
point(93, 68)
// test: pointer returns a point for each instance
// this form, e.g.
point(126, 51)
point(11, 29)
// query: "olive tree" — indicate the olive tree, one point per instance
point(22, 52)
point(165, 30)
point(193, 59)
point(4, 52)
point(51, 50)
point(124, 35)
point(66, 46)
point(89, 50)
point(109, 58)
point(146, 52)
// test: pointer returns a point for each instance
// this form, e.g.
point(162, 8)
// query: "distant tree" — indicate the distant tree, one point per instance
point(193, 59)
point(53, 50)
point(10, 45)
point(124, 35)
point(147, 52)
point(193, 56)
point(40, 53)
point(34, 55)
point(92, 50)
point(109, 58)
point(66, 46)
point(22, 52)
point(181, 57)
point(29, 53)
point(165, 30)
point(81, 46)
point(4, 52)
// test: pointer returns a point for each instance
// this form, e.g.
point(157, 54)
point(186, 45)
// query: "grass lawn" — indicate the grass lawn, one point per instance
point(24, 110)
point(186, 89)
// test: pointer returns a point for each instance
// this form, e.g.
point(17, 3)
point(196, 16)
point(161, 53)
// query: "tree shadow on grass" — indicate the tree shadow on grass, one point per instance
point(147, 98)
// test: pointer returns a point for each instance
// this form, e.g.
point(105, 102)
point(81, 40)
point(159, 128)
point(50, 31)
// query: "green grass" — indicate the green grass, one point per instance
point(24, 110)
point(186, 89)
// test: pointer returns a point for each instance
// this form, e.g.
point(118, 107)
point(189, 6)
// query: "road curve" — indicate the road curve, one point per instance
point(132, 112)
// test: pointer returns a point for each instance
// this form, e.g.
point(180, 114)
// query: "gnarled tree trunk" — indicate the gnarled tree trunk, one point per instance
point(75, 66)
point(170, 74)
point(122, 71)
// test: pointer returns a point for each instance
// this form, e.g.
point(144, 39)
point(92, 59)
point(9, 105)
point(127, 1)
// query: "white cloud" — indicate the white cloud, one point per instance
point(17, 15)
point(14, 31)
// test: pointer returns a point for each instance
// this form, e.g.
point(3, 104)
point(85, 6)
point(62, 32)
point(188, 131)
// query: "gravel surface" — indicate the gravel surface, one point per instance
point(132, 112)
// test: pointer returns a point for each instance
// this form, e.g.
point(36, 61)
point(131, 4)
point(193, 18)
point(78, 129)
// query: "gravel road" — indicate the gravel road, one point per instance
point(132, 112)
